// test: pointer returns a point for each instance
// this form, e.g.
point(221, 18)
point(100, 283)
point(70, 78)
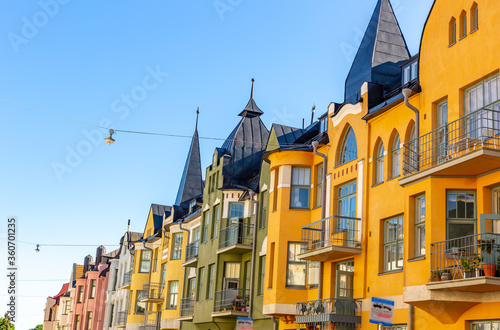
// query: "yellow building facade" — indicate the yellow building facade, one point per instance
point(411, 211)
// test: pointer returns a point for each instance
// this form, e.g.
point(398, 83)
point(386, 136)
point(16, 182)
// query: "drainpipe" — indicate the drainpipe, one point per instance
point(254, 251)
point(185, 268)
point(323, 216)
point(275, 322)
point(406, 93)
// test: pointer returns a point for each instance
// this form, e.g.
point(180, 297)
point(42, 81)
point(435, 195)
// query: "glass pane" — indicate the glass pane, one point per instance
point(300, 197)
point(456, 230)
point(452, 206)
point(461, 206)
point(421, 231)
point(400, 254)
point(470, 207)
point(296, 274)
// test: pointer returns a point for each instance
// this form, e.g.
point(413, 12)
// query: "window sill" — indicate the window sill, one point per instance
point(462, 38)
point(300, 208)
point(394, 178)
point(419, 258)
point(451, 45)
point(171, 308)
point(391, 272)
point(471, 32)
point(378, 184)
point(340, 165)
point(295, 287)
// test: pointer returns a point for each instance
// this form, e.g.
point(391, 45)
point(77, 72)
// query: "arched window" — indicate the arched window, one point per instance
point(453, 31)
point(463, 24)
point(379, 171)
point(474, 13)
point(410, 153)
point(349, 149)
point(396, 156)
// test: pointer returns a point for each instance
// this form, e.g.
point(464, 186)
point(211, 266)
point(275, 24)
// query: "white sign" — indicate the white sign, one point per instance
point(244, 323)
point(381, 311)
point(164, 255)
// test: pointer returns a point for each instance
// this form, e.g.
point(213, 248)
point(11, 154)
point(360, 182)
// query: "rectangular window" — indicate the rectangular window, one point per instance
point(204, 232)
point(232, 270)
point(191, 287)
point(145, 265)
point(155, 259)
point(346, 201)
point(420, 226)
point(163, 274)
point(177, 247)
point(236, 210)
point(92, 289)
point(482, 94)
point(275, 191)
point(67, 307)
point(301, 186)
point(215, 227)
point(460, 214)
point(263, 213)
point(262, 277)
point(247, 274)
point(211, 281)
point(173, 292)
point(140, 307)
point(271, 267)
point(77, 322)
point(89, 320)
point(495, 202)
point(406, 75)
point(80, 294)
point(201, 280)
point(393, 244)
point(319, 185)
point(313, 273)
point(296, 268)
point(414, 67)
point(485, 325)
point(115, 282)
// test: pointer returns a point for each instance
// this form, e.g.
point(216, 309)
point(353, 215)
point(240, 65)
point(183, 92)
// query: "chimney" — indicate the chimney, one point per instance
point(86, 264)
point(98, 255)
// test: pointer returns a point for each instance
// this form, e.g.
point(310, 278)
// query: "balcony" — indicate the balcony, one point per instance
point(231, 302)
point(127, 280)
point(154, 293)
point(468, 146)
point(121, 319)
point(331, 238)
point(192, 254)
point(151, 321)
point(323, 313)
point(187, 309)
point(465, 264)
point(236, 238)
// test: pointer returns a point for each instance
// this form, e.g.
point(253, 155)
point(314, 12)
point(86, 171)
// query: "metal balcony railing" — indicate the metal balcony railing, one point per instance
point(192, 250)
point(232, 300)
point(321, 312)
point(121, 318)
point(239, 233)
point(475, 130)
point(127, 278)
point(333, 231)
point(152, 321)
point(187, 307)
point(464, 257)
point(154, 291)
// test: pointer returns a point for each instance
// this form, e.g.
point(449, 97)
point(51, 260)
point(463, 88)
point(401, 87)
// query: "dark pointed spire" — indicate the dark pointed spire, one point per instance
point(191, 184)
point(251, 109)
point(382, 50)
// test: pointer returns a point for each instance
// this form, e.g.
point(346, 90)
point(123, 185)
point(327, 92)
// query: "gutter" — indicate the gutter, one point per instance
point(406, 93)
point(323, 205)
point(185, 268)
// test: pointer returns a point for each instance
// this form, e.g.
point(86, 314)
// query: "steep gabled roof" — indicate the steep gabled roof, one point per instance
point(287, 135)
point(159, 212)
point(191, 184)
point(380, 54)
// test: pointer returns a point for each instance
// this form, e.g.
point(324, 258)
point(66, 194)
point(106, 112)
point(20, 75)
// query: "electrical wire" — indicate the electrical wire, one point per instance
point(150, 133)
point(60, 245)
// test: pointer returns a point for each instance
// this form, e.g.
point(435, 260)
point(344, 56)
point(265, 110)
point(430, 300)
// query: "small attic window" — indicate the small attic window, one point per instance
point(323, 124)
point(410, 72)
point(192, 205)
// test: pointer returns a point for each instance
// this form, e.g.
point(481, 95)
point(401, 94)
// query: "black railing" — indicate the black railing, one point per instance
point(320, 312)
point(192, 250)
point(332, 231)
point(239, 233)
point(464, 257)
point(121, 318)
point(232, 300)
point(127, 278)
point(475, 130)
point(187, 307)
point(153, 291)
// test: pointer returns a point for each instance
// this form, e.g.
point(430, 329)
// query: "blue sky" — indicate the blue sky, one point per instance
point(85, 59)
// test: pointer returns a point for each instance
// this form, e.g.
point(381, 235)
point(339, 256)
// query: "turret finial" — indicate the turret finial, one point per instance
point(197, 115)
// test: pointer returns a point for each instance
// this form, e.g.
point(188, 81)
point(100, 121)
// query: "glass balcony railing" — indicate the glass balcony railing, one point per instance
point(231, 300)
point(121, 318)
point(236, 234)
point(192, 250)
point(127, 279)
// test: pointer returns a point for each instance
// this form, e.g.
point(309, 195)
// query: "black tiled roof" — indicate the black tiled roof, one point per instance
point(382, 51)
point(159, 211)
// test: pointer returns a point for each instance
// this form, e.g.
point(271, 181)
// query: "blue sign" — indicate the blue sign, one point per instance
point(382, 311)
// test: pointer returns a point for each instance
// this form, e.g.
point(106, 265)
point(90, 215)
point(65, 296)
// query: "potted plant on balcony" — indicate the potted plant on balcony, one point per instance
point(486, 245)
point(470, 265)
point(446, 275)
point(436, 275)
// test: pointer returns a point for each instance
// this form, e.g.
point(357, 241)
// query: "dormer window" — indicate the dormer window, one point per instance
point(410, 72)
point(323, 124)
point(192, 205)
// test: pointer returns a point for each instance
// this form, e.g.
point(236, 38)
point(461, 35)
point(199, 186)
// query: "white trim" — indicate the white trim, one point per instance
point(206, 208)
point(263, 248)
point(283, 309)
point(264, 188)
point(348, 109)
point(370, 160)
point(217, 201)
point(272, 180)
point(360, 187)
point(328, 194)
